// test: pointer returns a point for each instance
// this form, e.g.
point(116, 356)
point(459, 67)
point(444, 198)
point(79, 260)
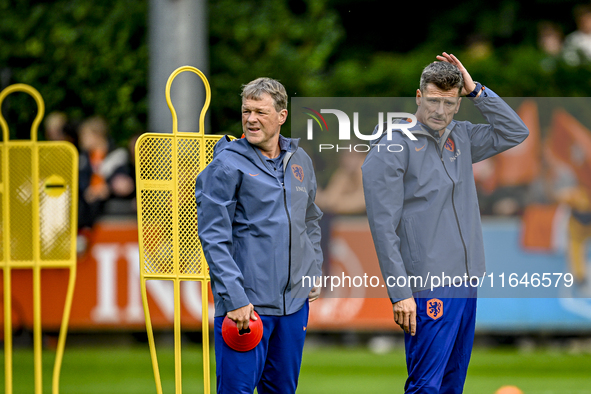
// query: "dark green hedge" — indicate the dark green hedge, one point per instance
point(85, 57)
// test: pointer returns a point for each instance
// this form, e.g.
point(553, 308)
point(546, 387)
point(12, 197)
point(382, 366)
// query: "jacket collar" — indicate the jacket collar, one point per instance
point(244, 148)
point(421, 129)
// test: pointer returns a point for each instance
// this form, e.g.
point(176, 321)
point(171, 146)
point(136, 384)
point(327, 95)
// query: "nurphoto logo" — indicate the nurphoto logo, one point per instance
point(401, 121)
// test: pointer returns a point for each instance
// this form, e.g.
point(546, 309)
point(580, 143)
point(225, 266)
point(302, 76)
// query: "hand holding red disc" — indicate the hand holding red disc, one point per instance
point(243, 340)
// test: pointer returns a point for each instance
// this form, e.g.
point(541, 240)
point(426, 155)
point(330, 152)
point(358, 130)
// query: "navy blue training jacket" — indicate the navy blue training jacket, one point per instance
point(421, 197)
point(260, 238)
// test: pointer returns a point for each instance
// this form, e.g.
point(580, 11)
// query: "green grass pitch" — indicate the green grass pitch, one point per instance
point(326, 369)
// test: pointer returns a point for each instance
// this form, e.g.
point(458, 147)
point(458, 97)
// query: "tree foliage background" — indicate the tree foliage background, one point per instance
point(90, 57)
point(85, 58)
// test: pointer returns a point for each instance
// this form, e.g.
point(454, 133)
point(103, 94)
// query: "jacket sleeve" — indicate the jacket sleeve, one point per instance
point(313, 216)
point(505, 129)
point(383, 186)
point(215, 193)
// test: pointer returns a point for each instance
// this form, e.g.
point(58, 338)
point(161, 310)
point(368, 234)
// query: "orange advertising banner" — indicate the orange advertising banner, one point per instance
point(107, 294)
point(521, 164)
point(570, 141)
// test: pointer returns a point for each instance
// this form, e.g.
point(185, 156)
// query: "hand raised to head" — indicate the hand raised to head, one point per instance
point(469, 84)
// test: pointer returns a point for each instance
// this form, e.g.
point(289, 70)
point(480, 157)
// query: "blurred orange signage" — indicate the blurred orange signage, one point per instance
point(107, 294)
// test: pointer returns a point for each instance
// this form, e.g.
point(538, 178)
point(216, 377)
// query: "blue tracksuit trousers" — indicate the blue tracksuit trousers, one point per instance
point(273, 366)
point(437, 357)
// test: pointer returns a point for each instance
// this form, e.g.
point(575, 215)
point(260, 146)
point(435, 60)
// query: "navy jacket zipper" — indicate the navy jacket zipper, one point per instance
point(289, 257)
point(453, 204)
point(289, 224)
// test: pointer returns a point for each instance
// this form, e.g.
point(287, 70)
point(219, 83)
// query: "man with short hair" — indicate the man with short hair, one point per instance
point(425, 222)
point(258, 226)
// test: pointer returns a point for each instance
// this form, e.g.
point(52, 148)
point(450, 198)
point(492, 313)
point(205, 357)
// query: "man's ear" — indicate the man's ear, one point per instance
point(418, 98)
point(458, 106)
point(282, 116)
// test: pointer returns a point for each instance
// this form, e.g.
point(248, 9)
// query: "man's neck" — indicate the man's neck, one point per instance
point(271, 153)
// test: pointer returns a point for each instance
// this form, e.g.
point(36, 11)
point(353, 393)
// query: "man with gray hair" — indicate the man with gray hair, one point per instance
point(258, 226)
point(425, 222)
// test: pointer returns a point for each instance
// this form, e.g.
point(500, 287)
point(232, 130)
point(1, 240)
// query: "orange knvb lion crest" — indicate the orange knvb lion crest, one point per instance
point(298, 172)
point(434, 308)
point(449, 145)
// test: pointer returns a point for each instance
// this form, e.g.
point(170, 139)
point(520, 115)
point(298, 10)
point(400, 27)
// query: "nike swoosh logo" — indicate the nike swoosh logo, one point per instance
point(253, 174)
point(418, 149)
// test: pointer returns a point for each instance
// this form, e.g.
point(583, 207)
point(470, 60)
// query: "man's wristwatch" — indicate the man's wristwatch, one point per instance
point(477, 89)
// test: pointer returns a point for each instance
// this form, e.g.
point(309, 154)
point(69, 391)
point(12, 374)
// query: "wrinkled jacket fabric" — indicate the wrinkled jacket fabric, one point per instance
point(259, 237)
point(421, 197)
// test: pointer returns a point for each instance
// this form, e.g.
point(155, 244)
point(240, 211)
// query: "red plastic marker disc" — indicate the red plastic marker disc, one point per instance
point(246, 339)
